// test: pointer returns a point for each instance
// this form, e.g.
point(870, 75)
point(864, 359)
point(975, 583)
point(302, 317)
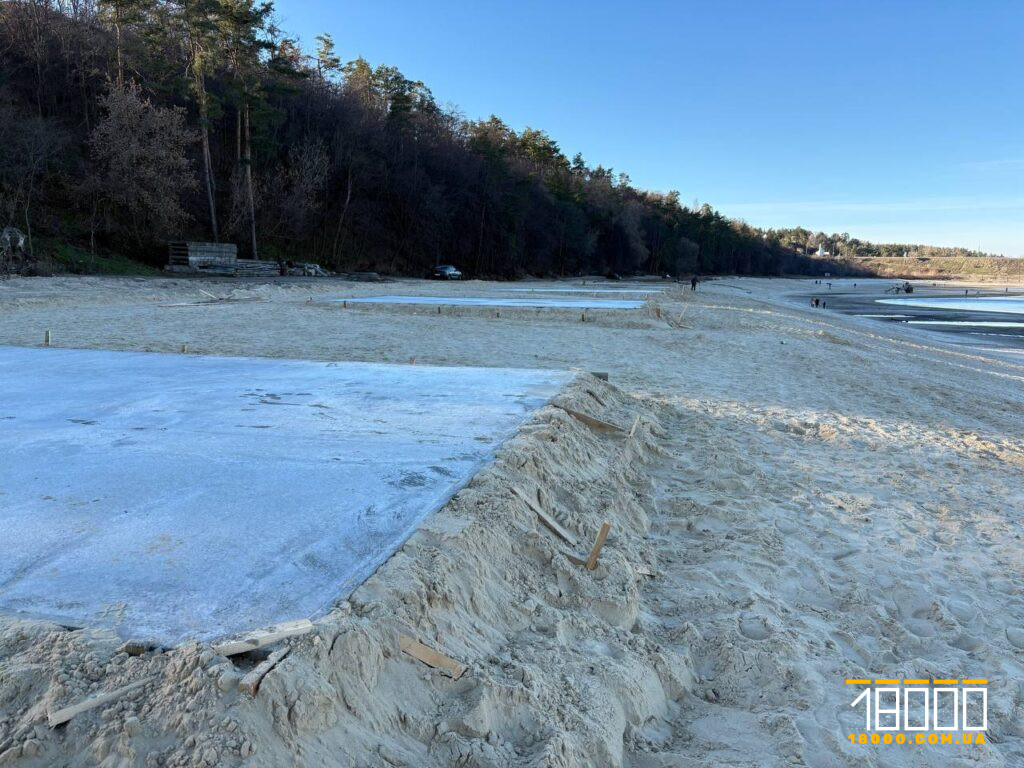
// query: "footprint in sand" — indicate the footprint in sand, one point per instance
point(754, 627)
point(963, 611)
point(1016, 636)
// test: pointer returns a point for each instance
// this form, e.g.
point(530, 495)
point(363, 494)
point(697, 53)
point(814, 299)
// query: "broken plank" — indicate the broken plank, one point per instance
point(250, 684)
point(591, 421)
point(264, 637)
point(61, 716)
point(547, 519)
point(430, 657)
point(598, 546)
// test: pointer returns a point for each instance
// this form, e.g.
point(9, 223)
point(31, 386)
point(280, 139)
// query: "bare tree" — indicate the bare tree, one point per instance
point(141, 163)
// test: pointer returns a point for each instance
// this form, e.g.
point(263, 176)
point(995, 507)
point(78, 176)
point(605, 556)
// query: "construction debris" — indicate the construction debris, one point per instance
point(63, 715)
point(264, 637)
point(430, 657)
point(590, 421)
point(547, 519)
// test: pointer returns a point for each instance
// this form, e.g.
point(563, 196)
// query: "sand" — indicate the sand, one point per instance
point(807, 497)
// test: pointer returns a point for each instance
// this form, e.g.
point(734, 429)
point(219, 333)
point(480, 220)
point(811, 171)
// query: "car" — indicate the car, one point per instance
point(445, 272)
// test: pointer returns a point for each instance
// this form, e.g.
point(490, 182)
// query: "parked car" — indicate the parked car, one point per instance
point(445, 272)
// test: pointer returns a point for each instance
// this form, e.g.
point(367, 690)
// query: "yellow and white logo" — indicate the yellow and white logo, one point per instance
point(922, 711)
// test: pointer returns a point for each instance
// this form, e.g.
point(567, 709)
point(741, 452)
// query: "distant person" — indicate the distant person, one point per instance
point(693, 283)
point(822, 303)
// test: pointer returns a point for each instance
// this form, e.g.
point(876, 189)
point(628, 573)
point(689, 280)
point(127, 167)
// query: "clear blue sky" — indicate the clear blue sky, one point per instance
point(893, 121)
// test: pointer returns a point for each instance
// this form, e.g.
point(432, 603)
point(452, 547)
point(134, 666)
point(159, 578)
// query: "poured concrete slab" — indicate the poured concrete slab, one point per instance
point(175, 497)
point(465, 301)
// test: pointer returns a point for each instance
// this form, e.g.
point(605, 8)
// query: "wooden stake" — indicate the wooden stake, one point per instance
point(430, 657)
point(545, 518)
point(636, 423)
point(264, 637)
point(184, 349)
point(598, 546)
point(63, 715)
point(46, 338)
point(250, 684)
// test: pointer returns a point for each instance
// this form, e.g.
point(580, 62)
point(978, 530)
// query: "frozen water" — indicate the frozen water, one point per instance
point(499, 302)
point(1010, 304)
point(175, 497)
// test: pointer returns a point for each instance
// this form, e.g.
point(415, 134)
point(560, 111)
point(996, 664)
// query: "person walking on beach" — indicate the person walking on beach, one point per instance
point(693, 283)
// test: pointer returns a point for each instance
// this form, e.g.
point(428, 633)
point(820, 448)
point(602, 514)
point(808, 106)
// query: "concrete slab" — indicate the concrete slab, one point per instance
point(176, 497)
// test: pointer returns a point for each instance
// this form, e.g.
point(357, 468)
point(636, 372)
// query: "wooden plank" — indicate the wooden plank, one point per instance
point(430, 657)
point(250, 684)
point(590, 421)
point(598, 546)
point(645, 570)
point(63, 715)
point(545, 518)
point(636, 423)
point(264, 637)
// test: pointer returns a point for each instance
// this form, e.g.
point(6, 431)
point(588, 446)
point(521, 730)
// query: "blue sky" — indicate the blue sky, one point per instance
point(897, 121)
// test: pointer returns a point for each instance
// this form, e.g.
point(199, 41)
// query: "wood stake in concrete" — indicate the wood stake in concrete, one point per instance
point(430, 657)
point(264, 637)
point(63, 715)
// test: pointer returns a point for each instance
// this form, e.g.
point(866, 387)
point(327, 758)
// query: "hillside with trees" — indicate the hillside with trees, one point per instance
point(126, 123)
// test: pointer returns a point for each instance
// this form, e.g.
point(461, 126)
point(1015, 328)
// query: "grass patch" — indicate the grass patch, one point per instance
point(65, 257)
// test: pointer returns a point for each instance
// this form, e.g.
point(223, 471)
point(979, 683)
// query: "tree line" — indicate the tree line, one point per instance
point(126, 123)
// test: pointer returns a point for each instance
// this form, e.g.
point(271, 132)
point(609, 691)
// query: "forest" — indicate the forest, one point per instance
point(128, 123)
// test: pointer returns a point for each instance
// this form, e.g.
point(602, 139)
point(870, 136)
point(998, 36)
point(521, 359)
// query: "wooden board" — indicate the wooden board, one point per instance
point(250, 684)
point(590, 421)
point(545, 518)
point(636, 423)
point(63, 715)
point(430, 657)
point(264, 637)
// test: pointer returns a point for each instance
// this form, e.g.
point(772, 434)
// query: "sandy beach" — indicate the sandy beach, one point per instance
point(796, 498)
